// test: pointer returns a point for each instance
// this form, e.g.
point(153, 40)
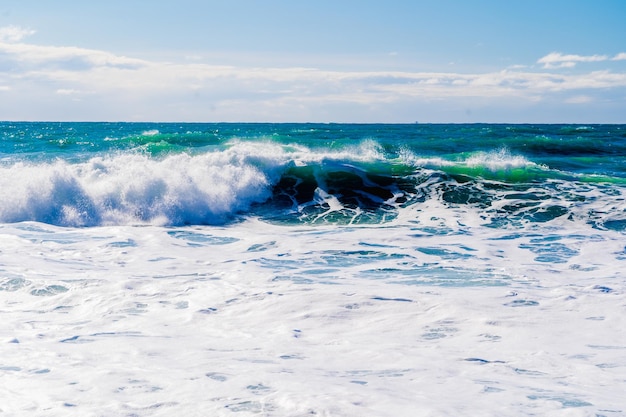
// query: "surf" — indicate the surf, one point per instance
point(83, 175)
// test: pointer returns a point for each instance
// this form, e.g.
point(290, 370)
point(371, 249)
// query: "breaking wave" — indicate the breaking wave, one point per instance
point(293, 183)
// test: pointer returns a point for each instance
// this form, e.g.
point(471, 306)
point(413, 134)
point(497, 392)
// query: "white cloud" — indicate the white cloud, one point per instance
point(579, 100)
point(559, 60)
point(69, 55)
point(14, 33)
point(114, 87)
point(67, 91)
point(619, 57)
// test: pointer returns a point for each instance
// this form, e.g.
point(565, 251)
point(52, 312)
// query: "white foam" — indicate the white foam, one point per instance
point(151, 132)
point(499, 159)
point(132, 188)
point(255, 319)
point(496, 160)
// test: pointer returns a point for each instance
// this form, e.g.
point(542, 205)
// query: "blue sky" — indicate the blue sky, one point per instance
point(533, 61)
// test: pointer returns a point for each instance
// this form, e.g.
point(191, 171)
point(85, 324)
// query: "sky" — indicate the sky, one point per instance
point(392, 61)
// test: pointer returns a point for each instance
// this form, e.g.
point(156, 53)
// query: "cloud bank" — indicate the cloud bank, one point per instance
point(14, 33)
point(559, 60)
point(70, 83)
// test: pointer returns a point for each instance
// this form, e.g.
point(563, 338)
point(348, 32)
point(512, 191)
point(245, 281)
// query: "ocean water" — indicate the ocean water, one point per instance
point(312, 269)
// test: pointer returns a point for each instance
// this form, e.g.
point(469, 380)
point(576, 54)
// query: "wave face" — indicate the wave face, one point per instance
point(90, 174)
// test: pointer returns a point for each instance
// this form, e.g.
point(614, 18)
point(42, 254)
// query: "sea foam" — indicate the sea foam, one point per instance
point(369, 270)
point(129, 188)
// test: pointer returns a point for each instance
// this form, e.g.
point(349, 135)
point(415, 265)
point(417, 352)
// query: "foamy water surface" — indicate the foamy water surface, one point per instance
point(299, 271)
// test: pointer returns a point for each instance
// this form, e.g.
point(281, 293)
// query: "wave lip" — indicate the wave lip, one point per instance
point(499, 165)
point(497, 160)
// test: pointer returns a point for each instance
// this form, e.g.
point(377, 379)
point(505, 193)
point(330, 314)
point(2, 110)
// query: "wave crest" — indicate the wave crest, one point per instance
point(132, 188)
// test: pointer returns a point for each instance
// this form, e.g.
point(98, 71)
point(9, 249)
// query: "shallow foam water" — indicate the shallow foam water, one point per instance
point(259, 319)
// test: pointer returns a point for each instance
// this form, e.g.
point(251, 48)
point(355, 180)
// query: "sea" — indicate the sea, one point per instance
point(250, 269)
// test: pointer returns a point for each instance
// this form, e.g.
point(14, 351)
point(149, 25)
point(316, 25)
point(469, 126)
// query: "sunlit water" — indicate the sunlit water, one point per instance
point(292, 270)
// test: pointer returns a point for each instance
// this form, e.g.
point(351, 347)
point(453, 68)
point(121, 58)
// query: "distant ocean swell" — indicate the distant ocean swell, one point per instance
point(192, 180)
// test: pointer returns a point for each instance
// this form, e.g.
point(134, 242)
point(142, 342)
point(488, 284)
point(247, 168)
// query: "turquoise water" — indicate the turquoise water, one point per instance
point(86, 174)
